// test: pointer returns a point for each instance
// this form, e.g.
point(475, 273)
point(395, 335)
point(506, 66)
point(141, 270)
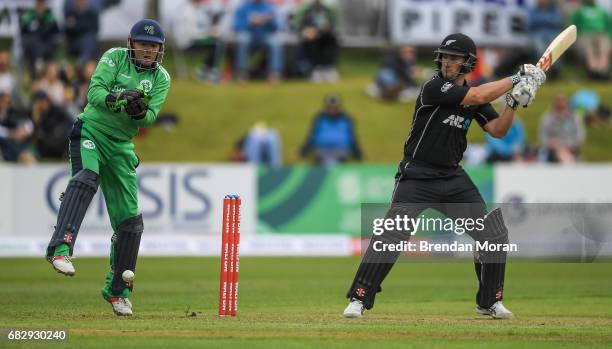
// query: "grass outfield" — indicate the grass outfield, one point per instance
point(213, 118)
point(296, 302)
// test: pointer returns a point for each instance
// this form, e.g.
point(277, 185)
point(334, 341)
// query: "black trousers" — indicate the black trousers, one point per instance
point(417, 189)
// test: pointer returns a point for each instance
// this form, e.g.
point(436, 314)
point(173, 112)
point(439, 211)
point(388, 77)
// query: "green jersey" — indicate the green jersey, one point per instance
point(115, 73)
point(591, 19)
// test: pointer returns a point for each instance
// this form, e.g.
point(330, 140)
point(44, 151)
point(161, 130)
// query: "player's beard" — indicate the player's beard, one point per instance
point(451, 76)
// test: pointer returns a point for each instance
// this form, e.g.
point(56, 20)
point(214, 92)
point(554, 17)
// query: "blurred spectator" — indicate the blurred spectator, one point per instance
point(319, 47)
point(561, 133)
point(332, 136)
point(70, 78)
point(51, 84)
point(196, 30)
point(594, 30)
point(261, 146)
point(7, 79)
point(85, 74)
point(69, 75)
point(584, 101)
point(15, 131)
point(81, 28)
point(395, 78)
point(39, 31)
point(70, 104)
point(544, 24)
point(586, 104)
point(511, 147)
point(256, 24)
point(168, 121)
point(599, 117)
point(52, 126)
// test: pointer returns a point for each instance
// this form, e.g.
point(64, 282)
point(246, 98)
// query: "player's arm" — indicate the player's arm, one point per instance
point(102, 80)
point(528, 75)
point(486, 93)
point(499, 127)
point(100, 92)
point(157, 98)
point(354, 143)
point(491, 122)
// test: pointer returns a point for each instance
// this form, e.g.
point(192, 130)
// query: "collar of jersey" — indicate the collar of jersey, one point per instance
point(465, 83)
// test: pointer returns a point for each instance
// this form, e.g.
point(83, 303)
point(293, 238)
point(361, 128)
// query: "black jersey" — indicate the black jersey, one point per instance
point(438, 136)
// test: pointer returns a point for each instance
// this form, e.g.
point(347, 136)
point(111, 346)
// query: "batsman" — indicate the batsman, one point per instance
point(127, 91)
point(429, 175)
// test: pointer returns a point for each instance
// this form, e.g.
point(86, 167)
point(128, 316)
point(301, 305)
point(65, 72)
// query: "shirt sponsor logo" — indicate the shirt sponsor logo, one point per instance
point(454, 120)
point(107, 61)
point(117, 89)
point(447, 86)
point(89, 144)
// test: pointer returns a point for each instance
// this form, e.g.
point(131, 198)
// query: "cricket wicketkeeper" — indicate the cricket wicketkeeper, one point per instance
point(126, 92)
point(429, 175)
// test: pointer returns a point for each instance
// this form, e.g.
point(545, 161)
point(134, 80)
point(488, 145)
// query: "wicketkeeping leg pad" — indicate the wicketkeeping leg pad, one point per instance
point(76, 199)
point(126, 243)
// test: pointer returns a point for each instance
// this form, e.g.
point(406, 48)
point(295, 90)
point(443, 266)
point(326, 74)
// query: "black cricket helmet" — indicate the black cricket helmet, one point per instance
point(458, 45)
point(147, 30)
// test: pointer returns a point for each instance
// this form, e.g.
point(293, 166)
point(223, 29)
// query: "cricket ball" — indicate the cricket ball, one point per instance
point(128, 276)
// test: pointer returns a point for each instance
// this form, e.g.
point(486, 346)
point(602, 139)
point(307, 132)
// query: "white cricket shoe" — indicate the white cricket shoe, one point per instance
point(354, 309)
point(121, 306)
point(63, 265)
point(496, 311)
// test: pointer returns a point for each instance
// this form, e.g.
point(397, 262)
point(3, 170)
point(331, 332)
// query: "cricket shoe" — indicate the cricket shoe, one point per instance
point(354, 309)
point(63, 265)
point(496, 311)
point(121, 306)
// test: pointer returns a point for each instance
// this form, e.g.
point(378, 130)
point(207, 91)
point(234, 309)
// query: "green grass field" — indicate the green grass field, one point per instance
point(296, 303)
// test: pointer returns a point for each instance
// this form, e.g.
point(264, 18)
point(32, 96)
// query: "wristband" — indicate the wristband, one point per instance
point(515, 79)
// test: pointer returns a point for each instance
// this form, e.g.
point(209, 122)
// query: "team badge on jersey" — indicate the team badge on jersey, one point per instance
point(87, 144)
point(447, 86)
point(147, 85)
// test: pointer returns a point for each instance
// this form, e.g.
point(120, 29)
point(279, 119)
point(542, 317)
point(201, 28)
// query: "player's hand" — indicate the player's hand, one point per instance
point(111, 102)
point(511, 102)
point(135, 106)
point(524, 92)
point(131, 99)
point(137, 109)
point(530, 70)
point(133, 102)
point(131, 95)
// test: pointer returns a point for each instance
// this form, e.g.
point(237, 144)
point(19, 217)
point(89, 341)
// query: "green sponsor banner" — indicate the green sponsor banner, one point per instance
point(318, 200)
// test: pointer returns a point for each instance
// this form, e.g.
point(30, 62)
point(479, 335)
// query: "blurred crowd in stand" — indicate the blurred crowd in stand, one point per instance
point(43, 92)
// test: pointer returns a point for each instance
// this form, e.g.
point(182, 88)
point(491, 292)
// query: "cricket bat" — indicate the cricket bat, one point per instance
point(557, 47)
